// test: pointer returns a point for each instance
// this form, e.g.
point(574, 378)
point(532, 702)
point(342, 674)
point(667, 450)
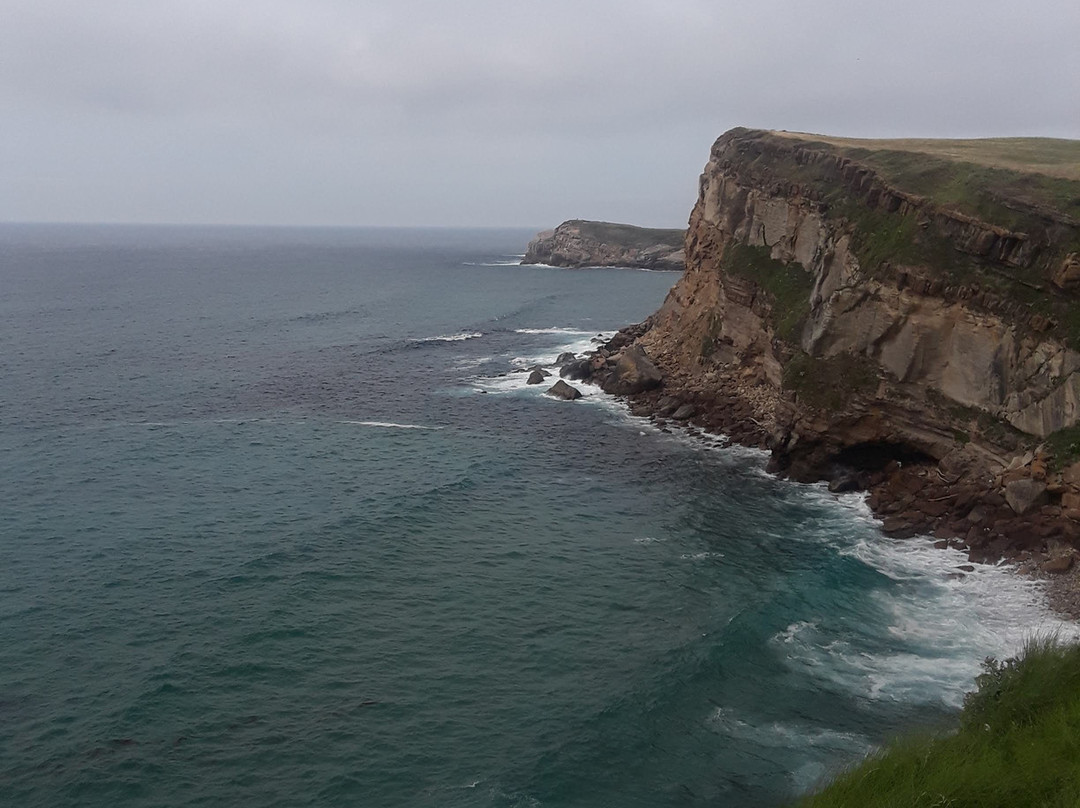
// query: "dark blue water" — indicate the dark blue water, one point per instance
point(281, 525)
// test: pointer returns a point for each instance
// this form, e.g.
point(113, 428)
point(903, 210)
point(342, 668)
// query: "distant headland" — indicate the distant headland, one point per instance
point(581, 243)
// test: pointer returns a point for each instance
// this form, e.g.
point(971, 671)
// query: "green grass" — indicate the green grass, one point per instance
point(1053, 157)
point(983, 191)
point(1064, 446)
point(829, 383)
point(629, 235)
point(1017, 745)
point(879, 237)
point(1000, 181)
point(788, 285)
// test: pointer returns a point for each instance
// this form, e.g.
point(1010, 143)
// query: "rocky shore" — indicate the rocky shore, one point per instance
point(885, 319)
point(1004, 517)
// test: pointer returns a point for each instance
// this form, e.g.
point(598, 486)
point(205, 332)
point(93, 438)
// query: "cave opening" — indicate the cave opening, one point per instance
point(876, 455)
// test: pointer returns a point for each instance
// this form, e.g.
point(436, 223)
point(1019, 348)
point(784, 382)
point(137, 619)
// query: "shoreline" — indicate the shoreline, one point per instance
point(910, 501)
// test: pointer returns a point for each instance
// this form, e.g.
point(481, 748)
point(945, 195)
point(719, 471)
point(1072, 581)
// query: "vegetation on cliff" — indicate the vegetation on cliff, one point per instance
point(996, 179)
point(1017, 745)
point(829, 383)
point(996, 219)
point(788, 285)
point(628, 235)
point(583, 243)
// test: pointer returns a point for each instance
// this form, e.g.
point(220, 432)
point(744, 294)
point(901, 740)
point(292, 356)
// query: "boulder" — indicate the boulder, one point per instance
point(536, 377)
point(684, 412)
point(566, 356)
point(1058, 565)
point(633, 373)
point(1070, 475)
point(1024, 495)
point(1067, 275)
point(578, 370)
point(562, 390)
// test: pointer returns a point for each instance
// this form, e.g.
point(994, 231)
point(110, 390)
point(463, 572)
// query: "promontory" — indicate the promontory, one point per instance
point(900, 317)
point(581, 243)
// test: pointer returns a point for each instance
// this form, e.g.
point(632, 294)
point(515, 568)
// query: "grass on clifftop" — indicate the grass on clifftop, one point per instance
point(1018, 745)
point(1054, 157)
point(629, 235)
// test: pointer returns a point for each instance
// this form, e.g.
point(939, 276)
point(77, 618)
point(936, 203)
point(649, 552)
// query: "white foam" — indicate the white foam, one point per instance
point(516, 382)
point(390, 425)
point(700, 556)
point(817, 745)
point(788, 735)
point(453, 337)
point(941, 621)
point(583, 344)
point(553, 330)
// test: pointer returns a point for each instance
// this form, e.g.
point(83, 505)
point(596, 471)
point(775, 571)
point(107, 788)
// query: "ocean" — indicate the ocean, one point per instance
point(283, 525)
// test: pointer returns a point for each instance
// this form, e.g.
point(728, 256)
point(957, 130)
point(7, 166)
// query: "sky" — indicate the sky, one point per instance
point(483, 112)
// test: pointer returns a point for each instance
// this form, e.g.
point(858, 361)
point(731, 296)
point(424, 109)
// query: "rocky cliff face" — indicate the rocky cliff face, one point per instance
point(580, 243)
point(861, 327)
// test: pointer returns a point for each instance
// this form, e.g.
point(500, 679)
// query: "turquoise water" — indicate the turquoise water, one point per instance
point(282, 526)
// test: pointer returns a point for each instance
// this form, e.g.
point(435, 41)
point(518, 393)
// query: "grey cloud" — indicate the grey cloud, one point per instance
point(368, 100)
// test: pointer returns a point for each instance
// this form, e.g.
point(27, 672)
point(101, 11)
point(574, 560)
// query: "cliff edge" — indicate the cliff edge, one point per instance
point(901, 317)
point(581, 243)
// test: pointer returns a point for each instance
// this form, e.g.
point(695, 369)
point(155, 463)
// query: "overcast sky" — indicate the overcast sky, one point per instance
point(483, 112)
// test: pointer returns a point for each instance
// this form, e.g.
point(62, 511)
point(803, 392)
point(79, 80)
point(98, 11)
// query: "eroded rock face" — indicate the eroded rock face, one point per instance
point(917, 379)
point(581, 243)
point(936, 345)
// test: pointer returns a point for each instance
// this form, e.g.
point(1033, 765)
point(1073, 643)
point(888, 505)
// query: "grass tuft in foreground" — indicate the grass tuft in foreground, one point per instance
point(1018, 745)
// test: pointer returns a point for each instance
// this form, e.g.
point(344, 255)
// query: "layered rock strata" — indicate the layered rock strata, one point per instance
point(880, 339)
point(580, 243)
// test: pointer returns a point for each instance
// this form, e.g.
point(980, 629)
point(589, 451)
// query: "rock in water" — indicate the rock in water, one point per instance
point(562, 390)
point(633, 373)
point(579, 369)
point(536, 377)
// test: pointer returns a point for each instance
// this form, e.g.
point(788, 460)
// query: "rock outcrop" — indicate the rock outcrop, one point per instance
point(919, 345)
point(580, 243)
point(632, 373)
point(564, 391)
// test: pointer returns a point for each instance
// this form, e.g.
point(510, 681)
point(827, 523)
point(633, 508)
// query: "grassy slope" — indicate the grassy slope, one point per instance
point(1000, 180)
point(1050, 156)
point(1018, 745)
point(1046, 208)
point(630, 235)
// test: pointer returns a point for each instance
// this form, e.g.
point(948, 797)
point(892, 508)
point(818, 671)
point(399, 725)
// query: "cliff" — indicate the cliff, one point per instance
point(898, 316)
point(580, 243)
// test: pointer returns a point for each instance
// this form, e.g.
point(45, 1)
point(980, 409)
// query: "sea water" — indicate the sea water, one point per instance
point(282, 524)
